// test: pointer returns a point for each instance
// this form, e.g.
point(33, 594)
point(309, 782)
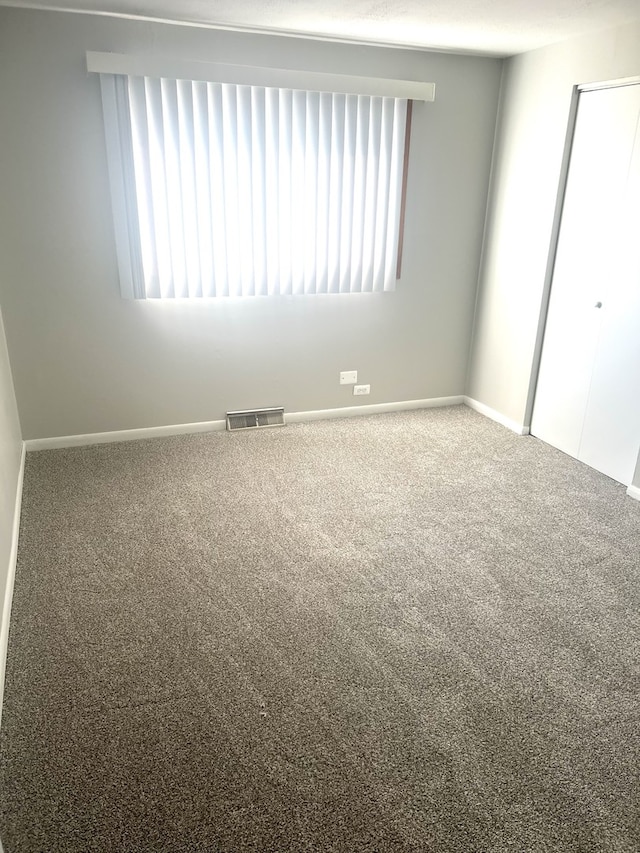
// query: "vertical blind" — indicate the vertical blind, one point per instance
point(240, 190)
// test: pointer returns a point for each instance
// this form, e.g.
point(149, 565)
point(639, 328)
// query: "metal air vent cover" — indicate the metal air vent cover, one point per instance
point(255, 418)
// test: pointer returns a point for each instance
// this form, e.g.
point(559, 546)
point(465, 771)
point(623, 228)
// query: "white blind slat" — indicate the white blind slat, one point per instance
point(272, 190)
point(202, 175)
point(217, 192)
point(382, 197)
point(299, 211)
point(348, 184)
point(323, 189)
point(230, 165)
point(335, 143)
point(258, 189)
point(284, 152)
point(395, 193)
point(122, 179)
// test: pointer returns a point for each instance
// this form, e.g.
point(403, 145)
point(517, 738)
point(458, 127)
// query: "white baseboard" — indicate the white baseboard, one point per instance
point(488, 412)
point(372, 409)
point(58, 442)
point(634, 492)
point(11, 574)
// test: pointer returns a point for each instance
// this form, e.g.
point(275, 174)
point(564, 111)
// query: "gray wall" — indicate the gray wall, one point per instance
point(85, 360)
point(532, 126)
point(10, 453)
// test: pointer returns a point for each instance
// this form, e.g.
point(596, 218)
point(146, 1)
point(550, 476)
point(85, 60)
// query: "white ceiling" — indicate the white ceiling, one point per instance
point(499, 27)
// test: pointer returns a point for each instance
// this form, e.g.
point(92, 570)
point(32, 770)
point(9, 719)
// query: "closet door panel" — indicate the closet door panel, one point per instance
point(573, 322)
point(611, 433)
point(587, 284)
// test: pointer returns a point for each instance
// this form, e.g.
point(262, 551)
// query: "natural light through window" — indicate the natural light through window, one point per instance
point(243, 190)
point(226, 189)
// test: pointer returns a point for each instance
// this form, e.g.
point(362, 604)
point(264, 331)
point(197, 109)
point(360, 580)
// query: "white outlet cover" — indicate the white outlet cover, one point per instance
point(360, 390)
point(348, 377)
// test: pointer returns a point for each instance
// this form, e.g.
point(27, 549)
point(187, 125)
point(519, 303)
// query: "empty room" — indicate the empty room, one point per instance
point(320, 426)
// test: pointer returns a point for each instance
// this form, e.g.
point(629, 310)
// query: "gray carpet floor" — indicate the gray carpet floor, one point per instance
point(407, 632)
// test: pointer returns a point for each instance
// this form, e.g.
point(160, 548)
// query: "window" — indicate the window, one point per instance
point(234, 189)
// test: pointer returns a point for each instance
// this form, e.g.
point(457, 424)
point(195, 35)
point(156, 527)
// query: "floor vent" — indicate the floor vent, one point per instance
point(252, 418)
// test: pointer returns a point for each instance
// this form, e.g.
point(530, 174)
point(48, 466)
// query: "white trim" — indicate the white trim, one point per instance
point(496, 416)
point(373, 409)
point(609, 84)
point(58, 442)
point(634, 492)
point(250, 75)
point(11, 574)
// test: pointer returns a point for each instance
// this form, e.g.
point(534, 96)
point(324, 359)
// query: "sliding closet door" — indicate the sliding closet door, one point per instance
point(588, 394)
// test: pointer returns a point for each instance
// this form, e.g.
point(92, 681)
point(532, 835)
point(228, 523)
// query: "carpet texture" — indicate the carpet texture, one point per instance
point(407, 632)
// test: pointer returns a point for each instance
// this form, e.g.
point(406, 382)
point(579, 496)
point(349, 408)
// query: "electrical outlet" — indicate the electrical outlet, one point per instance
point(358, 390)
point(348, 377)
